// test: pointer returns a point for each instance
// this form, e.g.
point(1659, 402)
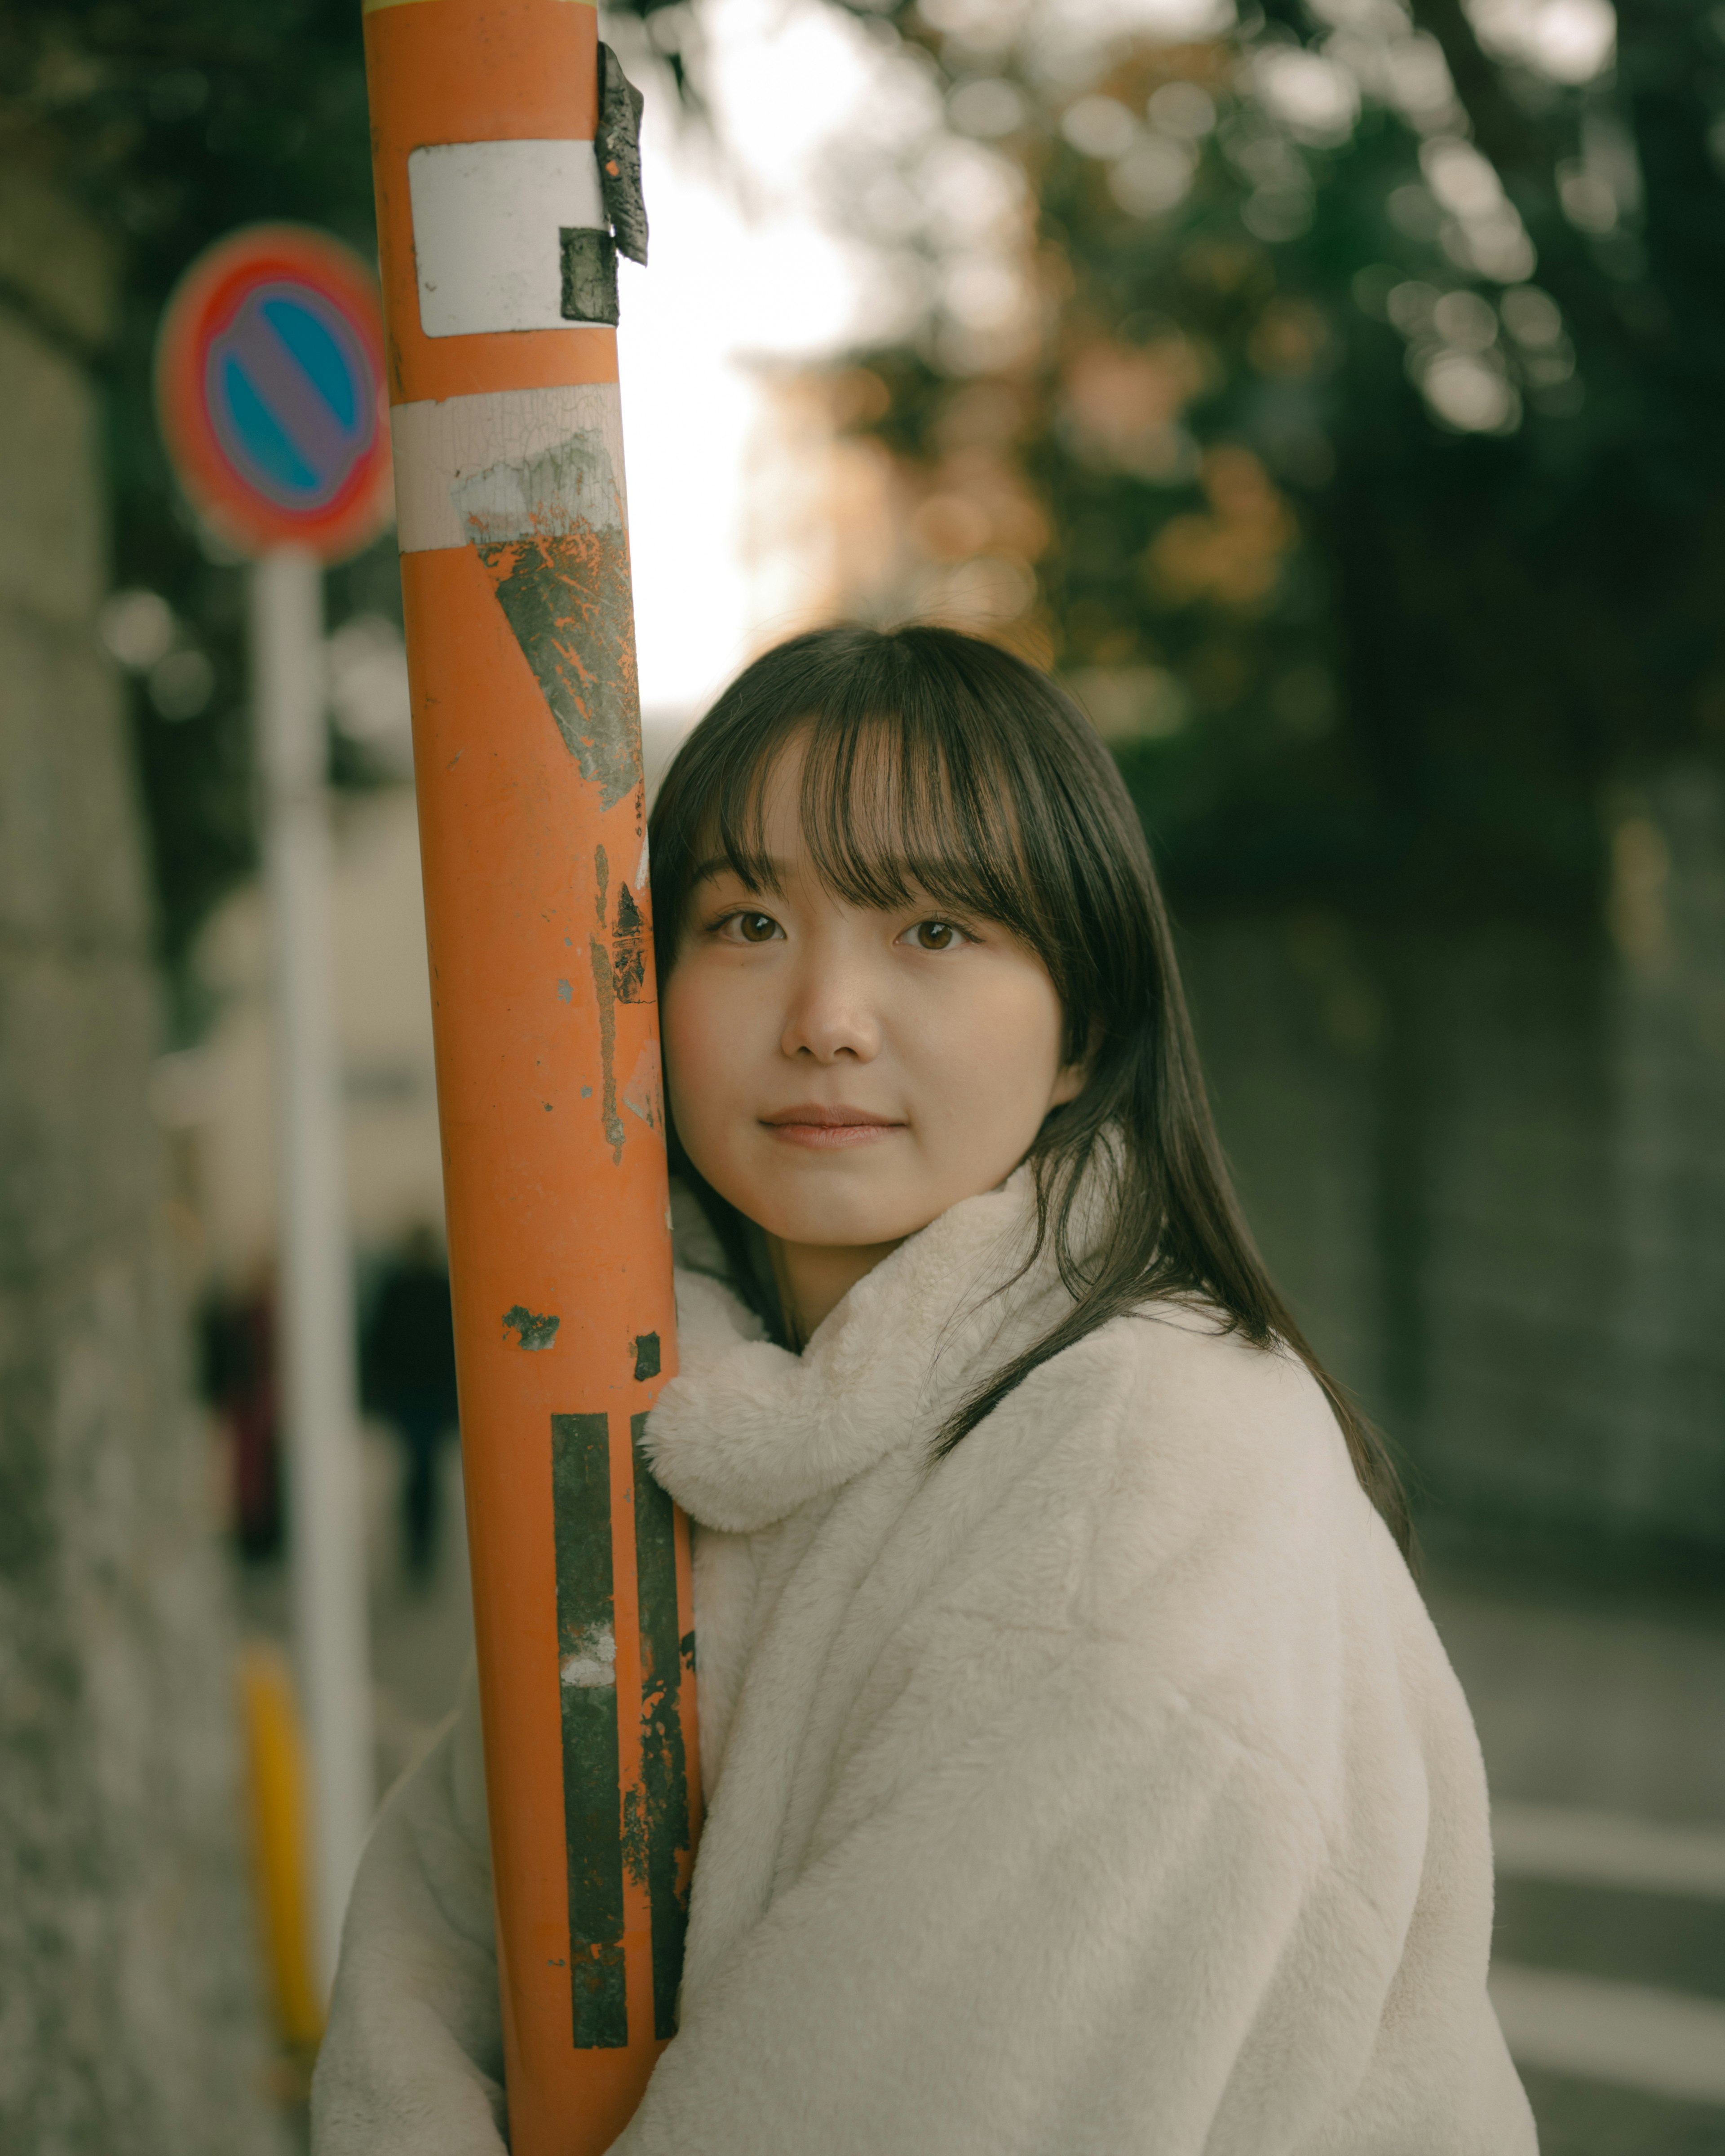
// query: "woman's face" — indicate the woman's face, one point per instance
point(843, 1076)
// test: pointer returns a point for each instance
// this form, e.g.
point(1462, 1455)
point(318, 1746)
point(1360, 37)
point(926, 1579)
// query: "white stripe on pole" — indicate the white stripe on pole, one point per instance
point(316, 1358)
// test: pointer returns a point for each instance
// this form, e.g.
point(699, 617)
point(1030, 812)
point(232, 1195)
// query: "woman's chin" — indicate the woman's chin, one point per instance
point(827, 1222)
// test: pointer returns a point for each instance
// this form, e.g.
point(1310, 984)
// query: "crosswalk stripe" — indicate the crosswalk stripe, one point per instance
point(1658, 2041)
point(1607, 1849)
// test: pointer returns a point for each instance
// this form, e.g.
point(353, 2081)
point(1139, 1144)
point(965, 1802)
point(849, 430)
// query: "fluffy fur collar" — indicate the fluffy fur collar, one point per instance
point(746, 1434)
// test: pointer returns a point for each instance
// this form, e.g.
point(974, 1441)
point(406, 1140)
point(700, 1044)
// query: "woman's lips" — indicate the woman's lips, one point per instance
point(829, 1130)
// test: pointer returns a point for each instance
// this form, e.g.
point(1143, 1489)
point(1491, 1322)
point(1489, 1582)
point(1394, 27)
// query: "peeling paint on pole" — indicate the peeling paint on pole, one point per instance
point(550, 533)
point(532, 1331)
point(567, 600)
point(630, 951)
point(605, 995)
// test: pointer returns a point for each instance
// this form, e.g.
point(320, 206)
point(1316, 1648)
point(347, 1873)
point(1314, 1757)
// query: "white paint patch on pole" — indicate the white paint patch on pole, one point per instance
point(488, 225)
point(316, 1285)
point(441, 446)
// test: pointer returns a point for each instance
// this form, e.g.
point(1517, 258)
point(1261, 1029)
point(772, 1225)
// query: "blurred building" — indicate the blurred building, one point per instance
point(217, 1098)
point(131, 2021)
point(1490, 1166)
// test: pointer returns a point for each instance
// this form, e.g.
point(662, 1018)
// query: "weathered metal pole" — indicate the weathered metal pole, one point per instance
point(499, 222)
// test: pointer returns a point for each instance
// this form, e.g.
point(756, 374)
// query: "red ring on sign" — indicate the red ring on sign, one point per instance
point(207, 304)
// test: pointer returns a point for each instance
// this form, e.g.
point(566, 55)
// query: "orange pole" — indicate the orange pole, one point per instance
point(496, 225)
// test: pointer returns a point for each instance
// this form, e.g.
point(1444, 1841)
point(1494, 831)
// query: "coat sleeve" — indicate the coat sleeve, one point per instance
point(412, 2064)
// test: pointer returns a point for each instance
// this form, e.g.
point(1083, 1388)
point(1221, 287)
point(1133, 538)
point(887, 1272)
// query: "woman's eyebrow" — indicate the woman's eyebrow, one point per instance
point(770, 876)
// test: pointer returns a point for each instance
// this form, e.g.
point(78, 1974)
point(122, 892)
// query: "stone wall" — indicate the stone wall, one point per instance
point(128, 2004)
point(1489, 1168)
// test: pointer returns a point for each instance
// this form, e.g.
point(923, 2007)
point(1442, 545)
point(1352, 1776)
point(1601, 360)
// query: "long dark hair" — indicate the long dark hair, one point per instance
point(933, 758)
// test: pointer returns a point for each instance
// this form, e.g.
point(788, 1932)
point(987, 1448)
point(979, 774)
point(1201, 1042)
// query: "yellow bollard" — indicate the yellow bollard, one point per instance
point(275, 1789)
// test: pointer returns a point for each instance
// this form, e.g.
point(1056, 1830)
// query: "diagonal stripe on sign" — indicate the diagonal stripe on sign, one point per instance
point(289, 394)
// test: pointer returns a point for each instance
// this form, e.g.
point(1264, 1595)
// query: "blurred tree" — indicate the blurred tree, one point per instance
point(173, 121)
point(1367, 452)
point(1334, 397)
point(1375, 409)
point(131, 2022)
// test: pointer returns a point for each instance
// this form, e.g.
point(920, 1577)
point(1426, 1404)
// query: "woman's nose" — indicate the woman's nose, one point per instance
point(830, 1019)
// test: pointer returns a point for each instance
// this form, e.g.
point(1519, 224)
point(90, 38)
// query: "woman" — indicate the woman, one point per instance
point(1085, 1772)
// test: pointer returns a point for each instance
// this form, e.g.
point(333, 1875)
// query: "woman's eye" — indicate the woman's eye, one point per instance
point(754, 928)
point(936, 936)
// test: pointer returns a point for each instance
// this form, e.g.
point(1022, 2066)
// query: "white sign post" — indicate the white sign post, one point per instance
point(270, 387)
point(315, 1300)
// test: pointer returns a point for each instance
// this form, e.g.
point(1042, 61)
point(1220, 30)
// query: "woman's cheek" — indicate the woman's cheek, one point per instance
point(998, 1050)
point(699, 1073)
point(681, 1048)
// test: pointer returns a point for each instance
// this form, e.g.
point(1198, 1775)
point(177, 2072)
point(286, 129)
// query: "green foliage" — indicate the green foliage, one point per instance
point(1363, 643)
point(176, 121)
point(1354, 651)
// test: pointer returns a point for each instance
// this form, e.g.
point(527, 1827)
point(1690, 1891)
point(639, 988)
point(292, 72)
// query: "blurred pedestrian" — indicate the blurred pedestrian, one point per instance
point(408, 1374)
point(238, 1343)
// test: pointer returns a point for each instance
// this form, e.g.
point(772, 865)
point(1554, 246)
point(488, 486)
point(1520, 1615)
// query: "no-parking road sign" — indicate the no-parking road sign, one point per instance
point(270, 385)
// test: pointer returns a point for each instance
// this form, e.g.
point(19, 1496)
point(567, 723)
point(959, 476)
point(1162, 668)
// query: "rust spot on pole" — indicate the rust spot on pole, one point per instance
point(534, 1330)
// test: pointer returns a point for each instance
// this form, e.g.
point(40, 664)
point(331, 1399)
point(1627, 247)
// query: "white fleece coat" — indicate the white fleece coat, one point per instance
point(1102, 1788)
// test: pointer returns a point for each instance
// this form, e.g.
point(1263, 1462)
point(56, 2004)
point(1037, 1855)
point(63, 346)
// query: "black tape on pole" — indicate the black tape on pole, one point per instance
point(618, 146)
point(663, 1845)
point(587, 1664)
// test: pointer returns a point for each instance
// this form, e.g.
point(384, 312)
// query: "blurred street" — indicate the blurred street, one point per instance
point(421, 1625)
point(1602, 1718)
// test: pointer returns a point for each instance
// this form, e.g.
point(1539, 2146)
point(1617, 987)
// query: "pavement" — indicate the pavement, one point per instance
point(1601, 1713)
point(422, 1630)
